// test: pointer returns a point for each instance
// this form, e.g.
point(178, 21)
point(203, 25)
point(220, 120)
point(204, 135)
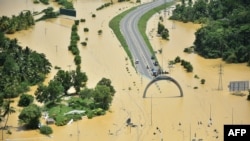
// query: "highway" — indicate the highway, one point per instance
point(135, 42)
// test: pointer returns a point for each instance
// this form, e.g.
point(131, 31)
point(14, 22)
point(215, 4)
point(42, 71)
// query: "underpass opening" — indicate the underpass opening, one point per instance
point(164, 86)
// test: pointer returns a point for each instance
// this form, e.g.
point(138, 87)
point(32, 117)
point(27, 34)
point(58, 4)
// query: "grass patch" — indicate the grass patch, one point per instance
point(114, 24)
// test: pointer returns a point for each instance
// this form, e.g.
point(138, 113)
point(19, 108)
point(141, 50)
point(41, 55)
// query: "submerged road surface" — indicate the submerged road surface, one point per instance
point(137, 46)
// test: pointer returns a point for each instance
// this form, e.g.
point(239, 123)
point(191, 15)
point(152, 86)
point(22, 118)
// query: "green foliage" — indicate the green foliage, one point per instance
point(144, 19)
point(83, 20)
point(46, 130)
point(76, 22)
point(196, 76)
point(226, 29)
point(104, 5)
point(16, 23)
point(44, 1)
point(84, 43)
point(73, 42)
point(187, 65)
point(86, 29)
point(165, 34)
point(162, 31)
point(36, 1)
point(188, 50)
point(99, 32)
point(48, 13)
point(58, 112)
point(77, 60)
point(203, 81)
point(65, 78)
point(79, 80)
point(107, 82)
point(25, 100)
point(160, 28)
point(20, 67)
point(30, 116)
point(50, 93)
point(177, 59)
point(65, 3)
point(248, 97)
point(114, 24)
point(93, 15)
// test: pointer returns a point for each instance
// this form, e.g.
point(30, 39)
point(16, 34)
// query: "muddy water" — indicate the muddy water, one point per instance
point(162, 114)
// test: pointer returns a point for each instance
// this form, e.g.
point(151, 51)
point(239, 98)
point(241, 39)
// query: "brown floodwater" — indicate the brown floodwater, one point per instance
point(162, 114)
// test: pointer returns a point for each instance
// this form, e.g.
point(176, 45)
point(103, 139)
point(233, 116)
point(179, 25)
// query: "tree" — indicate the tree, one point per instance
point(7, 110)
point(160, 28)
point(30, 116)
point(86, 93)
point(49, 93)
point(46, 130)
point(66, 79)
point(102, 97)
point(25, 100)
point(79, 80)
point(177, 59)
point(248, 97)
point(190, 2)
point(107, 82)
point(165, 34)
point(203, 81)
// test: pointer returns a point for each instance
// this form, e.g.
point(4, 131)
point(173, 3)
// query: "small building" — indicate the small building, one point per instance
point(50, 121)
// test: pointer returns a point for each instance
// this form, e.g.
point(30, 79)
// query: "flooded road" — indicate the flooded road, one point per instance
point(161, 115)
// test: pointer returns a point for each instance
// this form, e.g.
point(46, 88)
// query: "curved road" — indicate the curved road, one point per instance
point(136, 44)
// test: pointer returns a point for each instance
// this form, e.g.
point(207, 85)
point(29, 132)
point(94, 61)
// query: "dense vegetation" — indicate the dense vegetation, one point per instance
point(48, 13)
point(226, 30)
point(162, 31)
point(20, 68)
point(92, 102)
point(16, 23)
point(65, 3)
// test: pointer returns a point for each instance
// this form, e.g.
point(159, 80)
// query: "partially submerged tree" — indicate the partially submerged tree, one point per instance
point(30, 116)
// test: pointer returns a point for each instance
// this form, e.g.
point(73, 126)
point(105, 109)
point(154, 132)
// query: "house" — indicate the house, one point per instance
point(50, 121)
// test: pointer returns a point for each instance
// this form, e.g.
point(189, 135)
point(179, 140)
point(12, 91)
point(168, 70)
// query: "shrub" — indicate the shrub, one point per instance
point(25, 100)
point(77, 59)
point(90, 114)
point(45, 1)
point(100, 32)
point(84, 43)
point(86, 29)
point(46, 130)
point(83, 20)
point(248, 97)
point(76, 22)
point(177, 59)
point(35, 1)
point(93, 15)
point(203, 81)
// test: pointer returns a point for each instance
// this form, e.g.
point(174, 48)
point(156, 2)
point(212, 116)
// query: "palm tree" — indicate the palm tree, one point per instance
point(7, 111)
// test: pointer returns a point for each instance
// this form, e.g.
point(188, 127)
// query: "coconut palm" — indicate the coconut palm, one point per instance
point(7, 111)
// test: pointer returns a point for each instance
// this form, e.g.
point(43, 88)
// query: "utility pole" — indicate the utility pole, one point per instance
point(220, 86)
point(151, 112)
point(232, 116)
